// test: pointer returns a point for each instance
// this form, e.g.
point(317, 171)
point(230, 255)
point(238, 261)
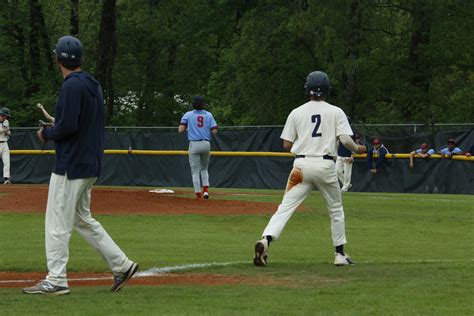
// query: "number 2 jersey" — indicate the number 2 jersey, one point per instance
point(313, 128)
point(199, 124)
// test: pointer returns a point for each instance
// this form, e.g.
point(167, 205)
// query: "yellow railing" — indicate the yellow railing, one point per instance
point(219, 153)
point(406, 156)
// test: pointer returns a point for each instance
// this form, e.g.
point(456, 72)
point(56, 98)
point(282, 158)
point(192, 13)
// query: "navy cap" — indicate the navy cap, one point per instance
point(198, 100)
point(68, 48)
point(5, 111)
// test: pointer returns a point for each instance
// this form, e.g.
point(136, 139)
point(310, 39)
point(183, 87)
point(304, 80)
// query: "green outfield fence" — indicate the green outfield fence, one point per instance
point(253, 157)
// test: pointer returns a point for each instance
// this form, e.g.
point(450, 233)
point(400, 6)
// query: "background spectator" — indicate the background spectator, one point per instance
point(423, 152)
point(381, 150)
point(471, 151)
point(451, 149)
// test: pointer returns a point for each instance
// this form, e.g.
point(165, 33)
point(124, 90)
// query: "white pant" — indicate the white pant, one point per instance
point(69, 207)
point(199, 162)
point(308, 173)
point(344, 171)
point(5, 152)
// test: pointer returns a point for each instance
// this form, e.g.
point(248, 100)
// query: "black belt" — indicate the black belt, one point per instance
point(200, 140)
point(327, 157)
point(3, 141)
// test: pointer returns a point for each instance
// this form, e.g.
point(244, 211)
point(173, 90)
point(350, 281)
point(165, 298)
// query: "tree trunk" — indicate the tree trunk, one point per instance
point(35, 65)
point(352, 54)
point(421, 27)
point(106, 54)
point(74, 19)
point(45, 40)
point(420, 73)
point(298, 5)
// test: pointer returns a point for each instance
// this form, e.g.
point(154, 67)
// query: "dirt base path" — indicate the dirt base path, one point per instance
point(20, 280)
point(24, 198)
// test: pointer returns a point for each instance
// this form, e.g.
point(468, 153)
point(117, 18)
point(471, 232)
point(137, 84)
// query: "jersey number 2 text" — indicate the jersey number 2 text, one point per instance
point(316, 119)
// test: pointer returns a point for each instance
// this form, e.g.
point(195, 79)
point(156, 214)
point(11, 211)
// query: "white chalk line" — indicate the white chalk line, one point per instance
point(156, 271)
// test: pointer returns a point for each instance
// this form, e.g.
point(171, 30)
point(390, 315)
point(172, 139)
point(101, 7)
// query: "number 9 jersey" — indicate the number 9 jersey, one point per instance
point(313, 129)
point(199, 124)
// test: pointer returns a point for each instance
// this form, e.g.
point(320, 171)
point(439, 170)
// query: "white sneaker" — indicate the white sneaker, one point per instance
point(345, 189)
point(261, 256)
point(343, 260)
point(44, 287)
point(7, 181)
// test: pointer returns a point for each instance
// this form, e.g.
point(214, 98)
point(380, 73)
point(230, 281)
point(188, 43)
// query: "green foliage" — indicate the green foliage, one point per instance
point(389, 61)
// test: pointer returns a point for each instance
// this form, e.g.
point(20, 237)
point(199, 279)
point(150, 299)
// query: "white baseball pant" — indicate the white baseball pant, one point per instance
point(344, 171)
point(68, 207)
point(308, 173)
point(199, 162)
point(5, 152)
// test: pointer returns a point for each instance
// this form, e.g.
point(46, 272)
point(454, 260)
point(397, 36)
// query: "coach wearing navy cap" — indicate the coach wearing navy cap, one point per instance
point(78, 133)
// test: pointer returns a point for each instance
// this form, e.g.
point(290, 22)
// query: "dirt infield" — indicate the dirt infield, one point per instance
point(32, 198)
point(24, 198)
point(19, 280)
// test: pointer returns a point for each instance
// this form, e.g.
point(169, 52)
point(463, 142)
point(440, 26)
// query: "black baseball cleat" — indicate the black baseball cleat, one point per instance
point(120, 279)
point(261, 256)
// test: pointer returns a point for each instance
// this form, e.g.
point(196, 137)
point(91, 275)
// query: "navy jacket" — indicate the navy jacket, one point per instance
point(79, 127)
point(342, 151)
point(382, 151)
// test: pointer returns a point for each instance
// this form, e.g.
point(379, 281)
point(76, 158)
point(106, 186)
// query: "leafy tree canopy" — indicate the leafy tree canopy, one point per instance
point(391, 61)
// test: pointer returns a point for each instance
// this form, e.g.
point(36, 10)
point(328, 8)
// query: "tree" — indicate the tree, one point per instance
point(107, 52)
point(397, 61)
point(34, 50)
point(74, 30)
point(349, 75)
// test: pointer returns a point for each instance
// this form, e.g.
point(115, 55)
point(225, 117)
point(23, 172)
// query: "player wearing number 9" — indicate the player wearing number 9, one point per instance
point(311, 133)
point(200, 125)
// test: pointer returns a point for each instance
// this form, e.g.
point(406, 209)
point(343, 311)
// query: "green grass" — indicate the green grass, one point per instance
point(414, 254)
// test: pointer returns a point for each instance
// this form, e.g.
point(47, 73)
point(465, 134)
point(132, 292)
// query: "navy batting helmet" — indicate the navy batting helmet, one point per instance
point(5, 111)
point(317, 84)
point(68, 48)
point(198, 103)
point(198, 100)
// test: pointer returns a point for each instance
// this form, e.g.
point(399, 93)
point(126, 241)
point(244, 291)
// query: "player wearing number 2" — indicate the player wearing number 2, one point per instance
point(199, 124)
point(310, 133)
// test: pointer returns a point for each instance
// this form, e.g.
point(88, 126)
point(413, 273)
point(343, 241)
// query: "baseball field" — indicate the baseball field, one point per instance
point(413, 254)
